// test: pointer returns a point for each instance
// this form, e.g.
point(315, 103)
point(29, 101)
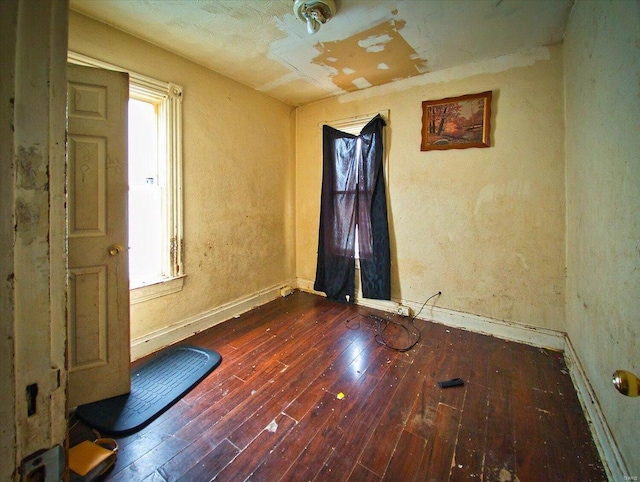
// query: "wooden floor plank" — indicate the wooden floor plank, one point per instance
point(438, 458)
point(435, 367)
point(305, 391)
point(239, 405)
point(321, 447)
point(500, 449)
point(147, 464)
point(208, 467)
point(380, 445)
point(248, 460)
point(348, 450)
point(328, 378)
point(284, 456)
point(361, 474)
point(297, 379)
point(403, 466)
point(469, 457)
point(183, 461)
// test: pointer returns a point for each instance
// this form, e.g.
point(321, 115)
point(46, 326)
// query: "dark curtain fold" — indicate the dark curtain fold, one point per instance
point(353, 194)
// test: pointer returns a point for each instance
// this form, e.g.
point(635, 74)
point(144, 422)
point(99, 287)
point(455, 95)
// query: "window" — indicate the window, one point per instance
point(354, 126)
point(353, 197)
point(156, 265)
point(155, 227)
point(147, 180)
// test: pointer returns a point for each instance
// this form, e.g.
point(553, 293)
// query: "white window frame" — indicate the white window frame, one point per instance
point(354, 125)
point(169, 97)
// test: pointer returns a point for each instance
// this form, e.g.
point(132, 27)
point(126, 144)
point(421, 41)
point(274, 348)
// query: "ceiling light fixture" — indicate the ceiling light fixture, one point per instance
point(314, 12)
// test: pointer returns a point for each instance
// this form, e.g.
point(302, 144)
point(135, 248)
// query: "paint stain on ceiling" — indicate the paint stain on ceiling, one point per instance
point(371, 57)
point(263, 45)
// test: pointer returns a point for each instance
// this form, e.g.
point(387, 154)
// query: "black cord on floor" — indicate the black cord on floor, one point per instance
point(382, 324)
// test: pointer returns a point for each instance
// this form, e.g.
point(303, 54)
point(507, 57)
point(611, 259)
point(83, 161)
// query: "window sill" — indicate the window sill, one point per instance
point(156, 290)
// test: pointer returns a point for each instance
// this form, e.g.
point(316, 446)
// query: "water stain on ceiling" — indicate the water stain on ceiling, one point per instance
point(262, 43)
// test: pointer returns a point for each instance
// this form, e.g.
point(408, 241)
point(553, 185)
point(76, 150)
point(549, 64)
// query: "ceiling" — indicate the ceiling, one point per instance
point(262, 44)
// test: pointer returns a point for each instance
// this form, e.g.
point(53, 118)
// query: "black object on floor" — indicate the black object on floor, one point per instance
point(155, 386)
point(454, 382)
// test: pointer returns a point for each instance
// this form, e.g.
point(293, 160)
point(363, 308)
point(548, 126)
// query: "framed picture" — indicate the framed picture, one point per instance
point(456, 122)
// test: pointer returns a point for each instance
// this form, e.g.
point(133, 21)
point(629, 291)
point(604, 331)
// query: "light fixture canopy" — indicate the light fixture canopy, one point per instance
point(314, 12)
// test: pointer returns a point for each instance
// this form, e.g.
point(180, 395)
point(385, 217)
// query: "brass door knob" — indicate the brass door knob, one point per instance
point(626, 383)
point(115, 249)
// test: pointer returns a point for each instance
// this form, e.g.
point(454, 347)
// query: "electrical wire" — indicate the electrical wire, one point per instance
point(382, 324)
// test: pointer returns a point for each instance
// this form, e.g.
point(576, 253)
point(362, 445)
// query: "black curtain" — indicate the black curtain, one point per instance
point(353, 194)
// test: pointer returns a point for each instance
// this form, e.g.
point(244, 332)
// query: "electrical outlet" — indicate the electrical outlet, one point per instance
point(404, 310)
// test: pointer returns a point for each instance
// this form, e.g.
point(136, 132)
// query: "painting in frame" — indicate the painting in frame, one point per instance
point(456, 122)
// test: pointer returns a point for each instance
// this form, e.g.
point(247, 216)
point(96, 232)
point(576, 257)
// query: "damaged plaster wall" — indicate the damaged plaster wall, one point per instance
point(238, 165)
point(32, 237)
point(602, 91)
point(8, 25)
point(484, 226)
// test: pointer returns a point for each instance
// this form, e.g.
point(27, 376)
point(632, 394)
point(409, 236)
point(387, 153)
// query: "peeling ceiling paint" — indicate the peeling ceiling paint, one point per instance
point(356, 59)
point(262, 44)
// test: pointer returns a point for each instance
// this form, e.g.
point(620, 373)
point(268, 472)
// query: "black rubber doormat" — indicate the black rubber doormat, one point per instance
point(155, 386)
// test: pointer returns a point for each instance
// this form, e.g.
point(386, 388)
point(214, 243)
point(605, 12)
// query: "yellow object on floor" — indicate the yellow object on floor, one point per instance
point(88, 460)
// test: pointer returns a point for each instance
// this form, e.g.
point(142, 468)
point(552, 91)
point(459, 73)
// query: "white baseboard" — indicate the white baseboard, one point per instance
point(530, 335)
point(159, 339)
point(521, 333)
point(607, 447)
point(540, 337)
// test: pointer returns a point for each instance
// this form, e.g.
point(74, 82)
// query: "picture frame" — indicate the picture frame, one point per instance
point(456, 122)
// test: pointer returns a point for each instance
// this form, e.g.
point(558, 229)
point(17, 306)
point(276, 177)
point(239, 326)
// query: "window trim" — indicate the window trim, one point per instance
point(169, 96)
point(350, 124)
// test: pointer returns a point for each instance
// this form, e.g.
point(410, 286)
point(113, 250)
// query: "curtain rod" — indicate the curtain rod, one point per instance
point(354, 120)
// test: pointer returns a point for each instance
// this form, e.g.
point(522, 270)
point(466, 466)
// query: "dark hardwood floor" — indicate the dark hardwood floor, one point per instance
point(273, 410)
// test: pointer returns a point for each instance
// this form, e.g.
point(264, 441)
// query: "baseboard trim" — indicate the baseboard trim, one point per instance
point(610, 454)
point(540, 337)
point(521, 333)
point(175, 333)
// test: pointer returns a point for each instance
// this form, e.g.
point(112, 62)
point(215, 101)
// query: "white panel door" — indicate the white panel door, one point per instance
point(98, 344)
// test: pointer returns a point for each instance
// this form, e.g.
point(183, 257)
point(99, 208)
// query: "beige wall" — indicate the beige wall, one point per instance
point(602, 72)
point(238, 164)
point(484, 226)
